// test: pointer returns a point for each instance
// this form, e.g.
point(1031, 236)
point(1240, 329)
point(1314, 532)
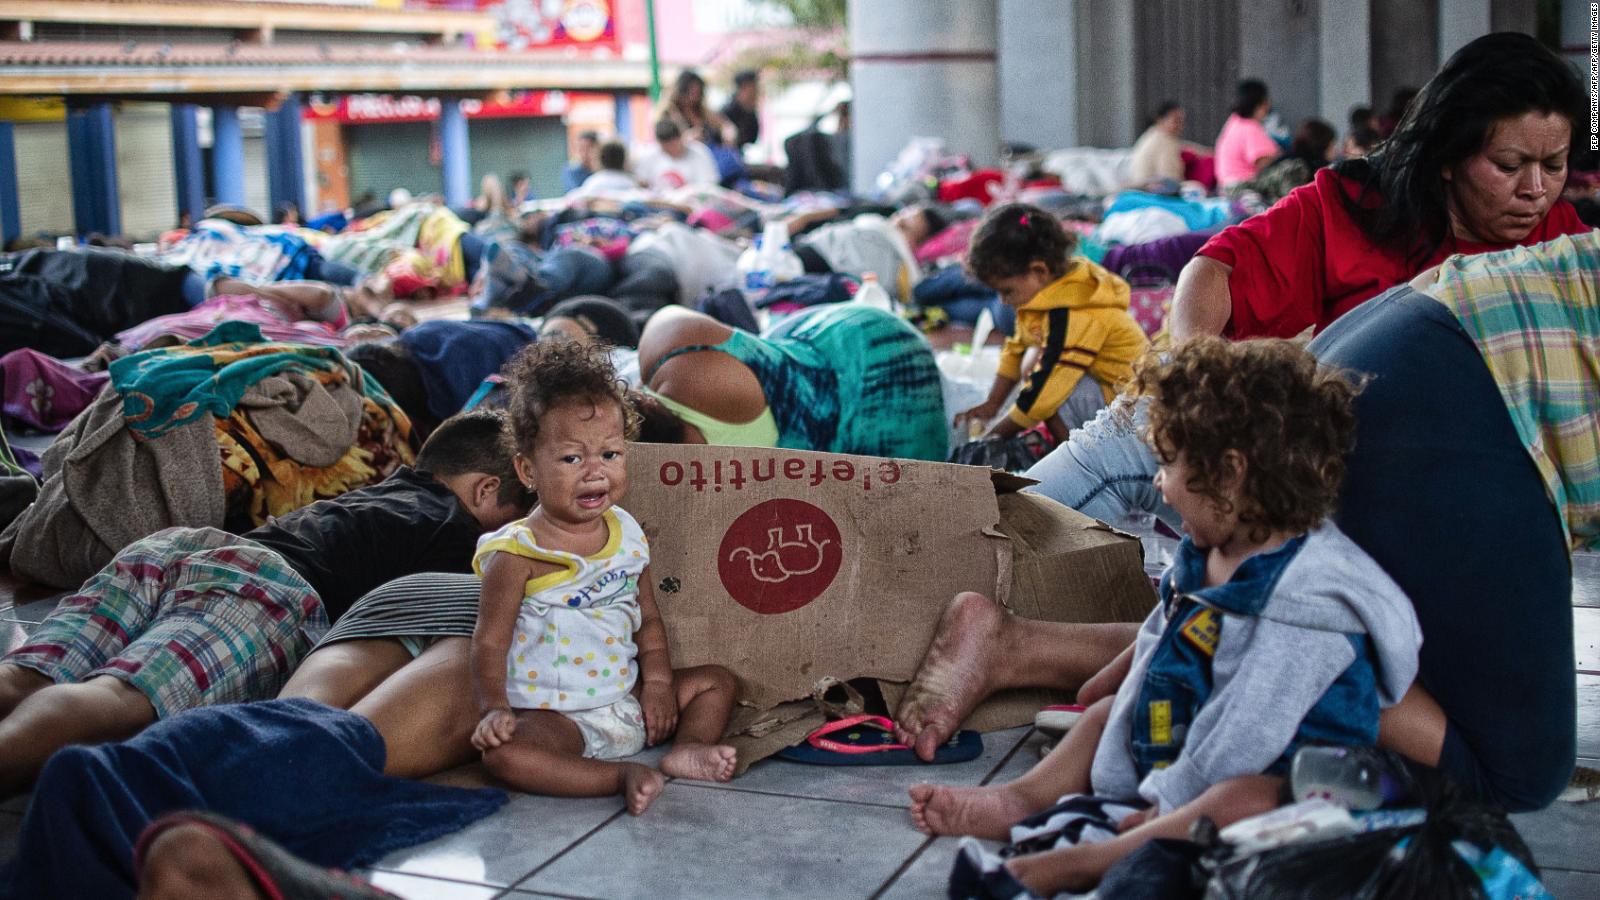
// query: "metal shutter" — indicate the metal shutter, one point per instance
point(146, 185)
point(44, 178)
point(256, 196)
point(391, 155)
point(537, 146)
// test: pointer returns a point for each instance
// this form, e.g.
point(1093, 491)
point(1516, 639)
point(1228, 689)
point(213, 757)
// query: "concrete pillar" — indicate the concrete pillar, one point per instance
point(1107, 73)
point(92, 152)
point(922, 68)
point(1346, 60)
point(188, 168)
point(1038, 42)
point(1460, 22)
point(227, 156)
point(10, 197)
point(455, 156)
point(286, 180)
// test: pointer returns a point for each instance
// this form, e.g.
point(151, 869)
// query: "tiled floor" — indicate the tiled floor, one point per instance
point(784, 829)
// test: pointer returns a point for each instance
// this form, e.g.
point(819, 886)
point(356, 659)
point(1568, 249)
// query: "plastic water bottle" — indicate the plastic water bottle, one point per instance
point(781, 260)
point(1356, 778)
point(755, 278)
point(872, 294)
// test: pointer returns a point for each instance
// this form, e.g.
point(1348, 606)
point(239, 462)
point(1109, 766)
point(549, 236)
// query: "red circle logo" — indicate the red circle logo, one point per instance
point(779, 556)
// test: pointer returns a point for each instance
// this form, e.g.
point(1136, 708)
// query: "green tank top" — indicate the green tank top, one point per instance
point(762, 431)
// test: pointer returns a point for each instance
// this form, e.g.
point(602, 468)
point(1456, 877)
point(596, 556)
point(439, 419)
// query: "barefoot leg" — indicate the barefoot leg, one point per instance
point(18, 683)
point(705, 700)
point(1065, 770)
point(545, 756)
point(190, 861)
point(1081, 868)
point(419, 710)
point(341, 674)
point(100, 709)
point(980, 648)
point(990, 811)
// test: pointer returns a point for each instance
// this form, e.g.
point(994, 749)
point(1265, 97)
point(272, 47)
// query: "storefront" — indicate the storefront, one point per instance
point(388, 142)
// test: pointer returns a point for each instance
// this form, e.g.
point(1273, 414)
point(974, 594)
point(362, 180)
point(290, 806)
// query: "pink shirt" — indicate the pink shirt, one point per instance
point(1242, 142)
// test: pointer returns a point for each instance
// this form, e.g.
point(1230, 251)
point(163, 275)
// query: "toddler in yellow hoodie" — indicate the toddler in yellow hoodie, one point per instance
point(1072, 311)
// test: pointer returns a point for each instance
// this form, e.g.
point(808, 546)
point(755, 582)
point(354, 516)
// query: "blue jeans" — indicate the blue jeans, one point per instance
point(1104, 469)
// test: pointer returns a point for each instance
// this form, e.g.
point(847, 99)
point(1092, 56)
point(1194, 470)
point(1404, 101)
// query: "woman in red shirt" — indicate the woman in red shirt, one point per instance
point(1477, 165)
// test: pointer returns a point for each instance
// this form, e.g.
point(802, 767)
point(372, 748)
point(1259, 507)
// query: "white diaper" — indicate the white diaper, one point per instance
point(610, 732)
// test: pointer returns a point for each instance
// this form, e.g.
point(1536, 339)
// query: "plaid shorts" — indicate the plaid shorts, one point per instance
point(188, 616)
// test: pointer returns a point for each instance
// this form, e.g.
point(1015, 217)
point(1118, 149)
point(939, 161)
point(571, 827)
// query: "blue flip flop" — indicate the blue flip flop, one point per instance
point(868, 740)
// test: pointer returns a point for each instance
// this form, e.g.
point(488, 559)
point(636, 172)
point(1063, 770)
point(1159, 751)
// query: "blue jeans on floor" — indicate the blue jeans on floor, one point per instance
point(1104, 469)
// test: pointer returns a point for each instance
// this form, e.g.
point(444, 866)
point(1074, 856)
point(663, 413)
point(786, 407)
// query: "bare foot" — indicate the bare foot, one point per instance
point(985, 812)
point(700, 762)
point(955, 674)
point(641, 785)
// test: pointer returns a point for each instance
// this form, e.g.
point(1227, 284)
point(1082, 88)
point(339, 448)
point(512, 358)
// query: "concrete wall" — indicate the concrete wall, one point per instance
point(1038, 72)
point(1460, 22)
point(1514, 15)
point(1345, 60)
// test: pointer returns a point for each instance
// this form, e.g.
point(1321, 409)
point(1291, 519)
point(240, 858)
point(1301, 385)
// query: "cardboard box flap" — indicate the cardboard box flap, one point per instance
point(787, 566)
point(1008, 483)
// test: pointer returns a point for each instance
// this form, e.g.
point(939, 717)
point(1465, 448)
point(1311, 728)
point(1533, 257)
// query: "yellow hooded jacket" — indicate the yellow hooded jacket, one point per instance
point(1081, 322)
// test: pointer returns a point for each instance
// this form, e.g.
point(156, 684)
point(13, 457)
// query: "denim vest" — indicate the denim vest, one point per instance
point(1178, 681)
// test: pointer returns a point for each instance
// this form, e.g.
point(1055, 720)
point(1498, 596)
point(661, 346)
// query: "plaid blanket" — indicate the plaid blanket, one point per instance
point(1534, 313)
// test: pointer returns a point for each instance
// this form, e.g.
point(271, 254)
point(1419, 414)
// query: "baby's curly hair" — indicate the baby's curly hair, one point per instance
point(1266, 399)
point(552, 372)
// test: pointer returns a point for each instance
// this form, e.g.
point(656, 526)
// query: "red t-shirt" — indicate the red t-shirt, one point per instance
point(1306, 262)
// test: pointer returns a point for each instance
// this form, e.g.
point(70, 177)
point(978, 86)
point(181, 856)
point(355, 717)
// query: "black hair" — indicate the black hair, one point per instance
point(1498, 76)
point(1012, 237)
point(686, 78)
point(613, 155)
point(657, 424)
point(1366, 137)
point(475, 442)
point(1311, 142)
point(602, 317)
point(554, 372)
point(589, 134)
point(667, 130)
point(391, 365)
point(1360, 117)
point(937, 217)
point(1400, 101)
point(744, 77)
point(1248, 95)
point(517, 176)
point(1166, 106)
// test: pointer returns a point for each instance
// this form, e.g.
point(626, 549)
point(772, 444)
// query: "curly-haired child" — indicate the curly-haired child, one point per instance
point(1072, 311)
point(569, 656)
point(1273, 630)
